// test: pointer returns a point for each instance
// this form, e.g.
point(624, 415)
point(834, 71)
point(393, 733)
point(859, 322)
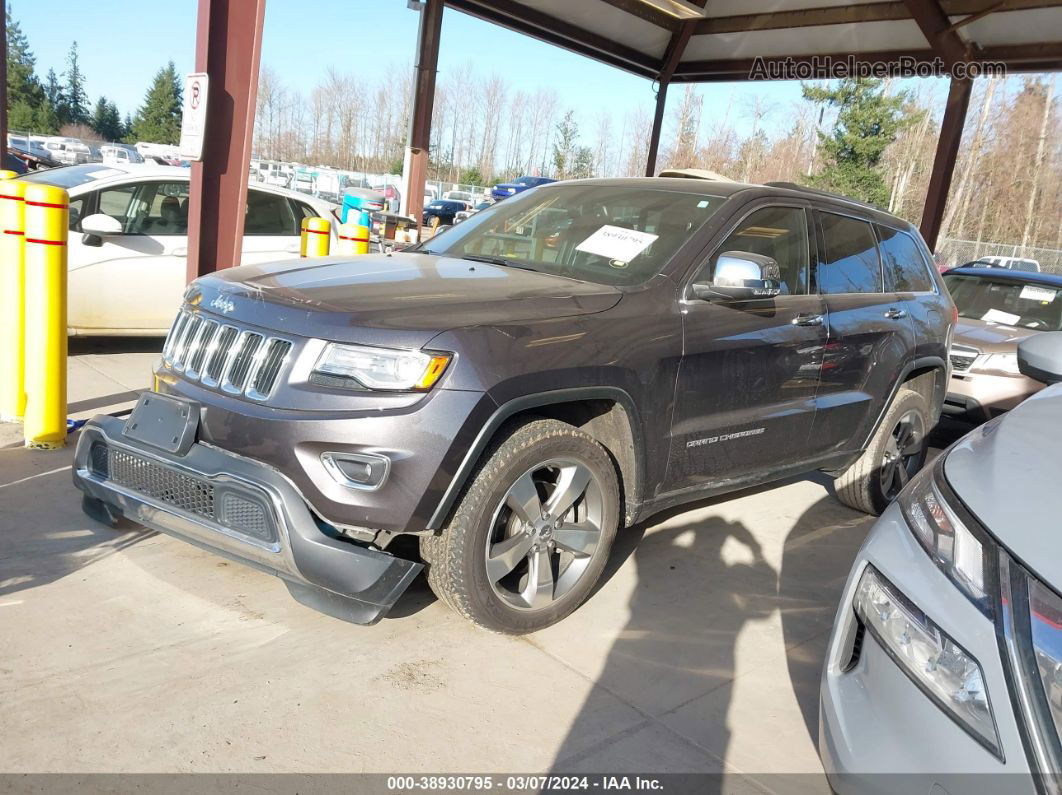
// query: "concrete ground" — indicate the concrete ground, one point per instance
point(133, 652)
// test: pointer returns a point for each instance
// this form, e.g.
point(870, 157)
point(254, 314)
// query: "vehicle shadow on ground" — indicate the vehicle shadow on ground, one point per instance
point(44, 536)
point(700, 584)
point(82, 346)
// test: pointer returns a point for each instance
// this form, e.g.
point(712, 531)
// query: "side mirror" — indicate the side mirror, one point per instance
point(101, 225)
point(1040, 357)
point(741, 276)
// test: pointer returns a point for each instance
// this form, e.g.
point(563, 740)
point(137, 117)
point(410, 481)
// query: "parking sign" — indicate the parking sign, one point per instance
point(193, 123)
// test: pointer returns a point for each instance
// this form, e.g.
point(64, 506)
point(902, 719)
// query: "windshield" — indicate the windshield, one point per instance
point(1012, 303)
point(604, 234)
point(71, 176)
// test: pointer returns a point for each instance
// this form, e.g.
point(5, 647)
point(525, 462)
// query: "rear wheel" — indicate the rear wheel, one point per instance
point(895, 453)
point(530, 537)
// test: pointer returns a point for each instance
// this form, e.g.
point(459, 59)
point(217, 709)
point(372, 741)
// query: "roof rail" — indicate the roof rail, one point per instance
point(826, 193)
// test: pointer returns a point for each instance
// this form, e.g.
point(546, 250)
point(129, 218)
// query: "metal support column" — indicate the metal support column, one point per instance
point(415, 169)
point(654, 136)
point(3, 77)
point(675, 48)
point(228, 47)
point(944, 160)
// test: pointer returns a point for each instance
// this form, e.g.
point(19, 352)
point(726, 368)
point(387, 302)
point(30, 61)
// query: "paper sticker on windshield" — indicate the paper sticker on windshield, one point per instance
point(998, 316)
point(617, 243)
point(1031, 292)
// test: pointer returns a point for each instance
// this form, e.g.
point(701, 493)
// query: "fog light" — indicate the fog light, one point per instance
point(943, 670)
point(357, 470)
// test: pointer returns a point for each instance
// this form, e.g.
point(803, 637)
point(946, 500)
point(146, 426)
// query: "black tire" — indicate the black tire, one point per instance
point(457, 557)
point(873, 481)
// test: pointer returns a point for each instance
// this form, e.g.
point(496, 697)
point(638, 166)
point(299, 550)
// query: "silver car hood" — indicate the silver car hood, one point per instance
point(1009, 473)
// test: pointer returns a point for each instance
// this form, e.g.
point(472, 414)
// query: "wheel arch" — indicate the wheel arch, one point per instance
point(927, 375)
point(606, 413)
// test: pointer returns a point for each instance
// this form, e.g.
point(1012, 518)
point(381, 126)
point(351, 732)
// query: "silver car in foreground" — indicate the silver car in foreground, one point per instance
point(944, 671)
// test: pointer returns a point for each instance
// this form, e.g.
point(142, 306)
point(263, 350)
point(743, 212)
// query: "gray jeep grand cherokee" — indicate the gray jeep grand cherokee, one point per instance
point(514, 390)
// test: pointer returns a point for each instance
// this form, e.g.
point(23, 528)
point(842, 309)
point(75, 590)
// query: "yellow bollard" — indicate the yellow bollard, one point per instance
point(47, 219)
point(12, 285)
point(5, 174)
point(316, 237)
point(352, 239)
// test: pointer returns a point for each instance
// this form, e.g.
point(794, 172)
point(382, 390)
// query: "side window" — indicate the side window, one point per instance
point(269, 215)
point(118, 203)
point(780, 233)
point(850, 263)
point(302, 211)
point(167, 209)
point(905, 267)
point(77, 212)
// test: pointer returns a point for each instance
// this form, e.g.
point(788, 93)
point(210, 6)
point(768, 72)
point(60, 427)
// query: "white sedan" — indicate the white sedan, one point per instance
point(129, 241)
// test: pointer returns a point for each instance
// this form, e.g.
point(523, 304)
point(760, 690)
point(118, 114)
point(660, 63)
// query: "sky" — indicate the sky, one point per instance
point(124, 42)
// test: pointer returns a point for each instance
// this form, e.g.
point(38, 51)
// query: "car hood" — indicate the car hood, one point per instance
point(988, 336)
point(406, 298)
point(1007, 473)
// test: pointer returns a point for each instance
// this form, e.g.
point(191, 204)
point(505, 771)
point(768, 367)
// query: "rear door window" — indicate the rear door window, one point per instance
point(268, 214)
point(850, 262)
point(905, 267)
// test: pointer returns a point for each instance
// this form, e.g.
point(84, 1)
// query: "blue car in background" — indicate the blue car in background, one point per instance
point(504, 190)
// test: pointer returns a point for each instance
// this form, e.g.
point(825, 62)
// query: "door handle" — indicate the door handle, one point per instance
point(896, 314)
point(807, 320)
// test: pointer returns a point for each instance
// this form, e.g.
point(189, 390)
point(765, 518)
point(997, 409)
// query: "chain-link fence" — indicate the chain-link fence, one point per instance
point(956, 252)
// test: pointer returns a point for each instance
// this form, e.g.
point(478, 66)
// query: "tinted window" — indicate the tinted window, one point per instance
point(780, 233)
point(1011, 302)
point(167, 209)
point(269, 215)
point(850, 263)
point(905, 268)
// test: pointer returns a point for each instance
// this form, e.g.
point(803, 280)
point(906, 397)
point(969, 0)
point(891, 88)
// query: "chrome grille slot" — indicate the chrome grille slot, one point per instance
point(174, 336)
point(962, 358)
point(263, 381)
point(221, 356)
point(200, 346)
point(236, 377)
point(182, 491)
point(180, 356)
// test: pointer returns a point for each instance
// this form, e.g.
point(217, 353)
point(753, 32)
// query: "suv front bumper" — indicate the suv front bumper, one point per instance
point(243, 510)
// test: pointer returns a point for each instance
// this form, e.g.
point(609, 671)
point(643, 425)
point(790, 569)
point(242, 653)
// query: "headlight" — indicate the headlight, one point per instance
point(944, 670)
point(1002, 363)
point(385, 369)
point(950, 543)
point(1045, 619)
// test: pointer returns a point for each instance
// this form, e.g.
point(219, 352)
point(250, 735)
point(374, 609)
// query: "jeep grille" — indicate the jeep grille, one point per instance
point(223, 356)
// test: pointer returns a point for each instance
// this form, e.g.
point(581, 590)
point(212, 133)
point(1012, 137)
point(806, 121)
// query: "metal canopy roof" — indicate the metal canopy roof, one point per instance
point(635, 35)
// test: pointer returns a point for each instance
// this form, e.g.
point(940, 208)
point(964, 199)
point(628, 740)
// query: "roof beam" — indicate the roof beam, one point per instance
point(532, 22)
point(654, 15)
point(1019, 57)
point(892, 11)
point(935, 25)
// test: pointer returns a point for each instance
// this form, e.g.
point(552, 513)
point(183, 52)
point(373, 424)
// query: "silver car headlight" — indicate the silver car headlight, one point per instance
point(998, 363)
point(956, 549)
point(943, 669)
point(383, 369)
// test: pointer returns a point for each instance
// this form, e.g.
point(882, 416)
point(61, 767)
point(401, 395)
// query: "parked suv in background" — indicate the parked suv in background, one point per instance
point(997, 310)
point(516, 389)
point(945, 665)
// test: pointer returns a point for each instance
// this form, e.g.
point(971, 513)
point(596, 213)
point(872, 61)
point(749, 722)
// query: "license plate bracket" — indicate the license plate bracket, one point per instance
point(164, 422)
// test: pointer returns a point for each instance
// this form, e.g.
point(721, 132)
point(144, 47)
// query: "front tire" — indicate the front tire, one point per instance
point(530, 537)
point(895, 453)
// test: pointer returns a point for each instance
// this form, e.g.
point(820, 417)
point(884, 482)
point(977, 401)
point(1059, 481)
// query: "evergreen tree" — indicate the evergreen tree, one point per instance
point(868, 121)
point(73, 107)
point(564, 149)
point(25, 95)
point(106, 121)
point(159, 118)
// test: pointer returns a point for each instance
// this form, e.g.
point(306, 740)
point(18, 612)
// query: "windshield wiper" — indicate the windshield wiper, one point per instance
point(505, 263)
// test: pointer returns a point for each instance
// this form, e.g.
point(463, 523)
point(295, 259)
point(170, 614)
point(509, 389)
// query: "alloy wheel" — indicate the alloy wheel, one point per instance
point(544, 534)
point(904, 452)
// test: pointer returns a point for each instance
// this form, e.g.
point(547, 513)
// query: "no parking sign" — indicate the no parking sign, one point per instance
point(193, 123)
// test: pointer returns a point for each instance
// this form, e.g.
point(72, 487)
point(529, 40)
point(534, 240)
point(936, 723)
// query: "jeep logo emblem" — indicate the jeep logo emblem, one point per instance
point(222, 304)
